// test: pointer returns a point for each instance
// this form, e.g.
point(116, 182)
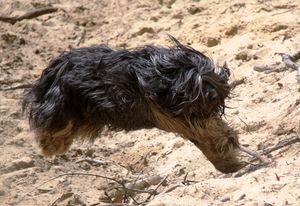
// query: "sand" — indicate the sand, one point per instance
point(264, 109)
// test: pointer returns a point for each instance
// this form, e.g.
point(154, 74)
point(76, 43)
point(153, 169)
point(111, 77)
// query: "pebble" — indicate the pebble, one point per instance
point(2, 193)
point(212, 41)
point(143, 30)
point(22, 163)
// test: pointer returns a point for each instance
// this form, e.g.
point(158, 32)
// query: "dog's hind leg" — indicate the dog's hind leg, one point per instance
point(49, 117)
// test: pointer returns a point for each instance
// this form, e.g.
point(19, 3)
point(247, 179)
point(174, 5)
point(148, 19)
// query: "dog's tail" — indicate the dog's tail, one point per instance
point(45, 106)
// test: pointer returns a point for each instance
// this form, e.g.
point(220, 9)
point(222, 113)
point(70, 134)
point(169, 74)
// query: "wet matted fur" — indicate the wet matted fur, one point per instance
point(177, 89)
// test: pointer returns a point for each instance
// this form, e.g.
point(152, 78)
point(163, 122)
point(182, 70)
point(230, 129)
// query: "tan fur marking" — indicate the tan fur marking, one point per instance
point(65, 131)
point(212, 136)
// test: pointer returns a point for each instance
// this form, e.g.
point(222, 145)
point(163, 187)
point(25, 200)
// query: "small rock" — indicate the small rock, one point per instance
point(212, 41)
point(275, 27)
point(178, 144)
point(280, 130)
point(8, 38)
point(232, 31)
point(177, 16)
point(23, 163)
point(194, 10)
point(143, 30)
point(154, 18)
point(225, 199)
point(2, 192)
point(239, 197)
point(85, 166)
point(76, 200)
point(181, 171)
point(168, 3)
point(17, 142)
point(243, 55)
point(45, 190)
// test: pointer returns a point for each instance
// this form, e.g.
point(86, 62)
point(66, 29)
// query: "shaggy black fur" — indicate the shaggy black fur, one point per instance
point(99, 86)
point(114, 87)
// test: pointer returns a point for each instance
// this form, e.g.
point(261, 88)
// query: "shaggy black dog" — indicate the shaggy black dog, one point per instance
point(176, 89)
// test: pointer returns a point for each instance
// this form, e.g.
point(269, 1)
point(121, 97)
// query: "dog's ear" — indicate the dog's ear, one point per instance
point(223, 72)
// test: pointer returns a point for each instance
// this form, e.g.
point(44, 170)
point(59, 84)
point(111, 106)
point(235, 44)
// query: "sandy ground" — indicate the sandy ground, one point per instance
point(264, 109)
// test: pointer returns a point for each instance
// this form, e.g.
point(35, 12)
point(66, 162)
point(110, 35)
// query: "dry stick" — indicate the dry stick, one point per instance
point(238, 82)
point(286, 11)
point(187, 182)
point(155, 190)
point(267, 69)
point(247, 126)
point(129, 188)
point(290, 62)
point(136, 190)
point(62, 198)
point(173, 187)
point(81, 38)
point(251, 168)
point(185, 179)
point(138, 187)
point(22, 86)
point(72, 174)
point(29, 15)
point(93, 161)
point(108, 197)
point(255, 154)
point(132, 197)
point(281, 144)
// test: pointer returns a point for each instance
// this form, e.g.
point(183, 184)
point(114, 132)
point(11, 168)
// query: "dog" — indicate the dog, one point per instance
point(177, 89)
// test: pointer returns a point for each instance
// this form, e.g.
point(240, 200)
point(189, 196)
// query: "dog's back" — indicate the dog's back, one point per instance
point(82, 91)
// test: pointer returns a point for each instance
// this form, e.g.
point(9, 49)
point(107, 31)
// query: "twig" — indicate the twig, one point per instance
point(170, 189)
point(185, 179)
point(137, 186)
point(267, 69)
point(81, 38)
point(255, 154)
point(187, 182)
point(62, 198)
point(155, 190)
point(286, 11)
point(29, 15)
point(108, 197)
point(245, 123)
point(249, 169)
point(290, 62)
point(22, 86)
point(238, 82)
point(137, 190)
point(72, 174)
point(282, 143)
point(93, 161)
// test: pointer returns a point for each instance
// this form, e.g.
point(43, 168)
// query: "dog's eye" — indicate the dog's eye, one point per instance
point(211, 95)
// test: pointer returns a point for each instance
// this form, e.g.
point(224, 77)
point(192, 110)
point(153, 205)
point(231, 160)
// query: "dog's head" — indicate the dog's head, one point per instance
point(188, 97)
